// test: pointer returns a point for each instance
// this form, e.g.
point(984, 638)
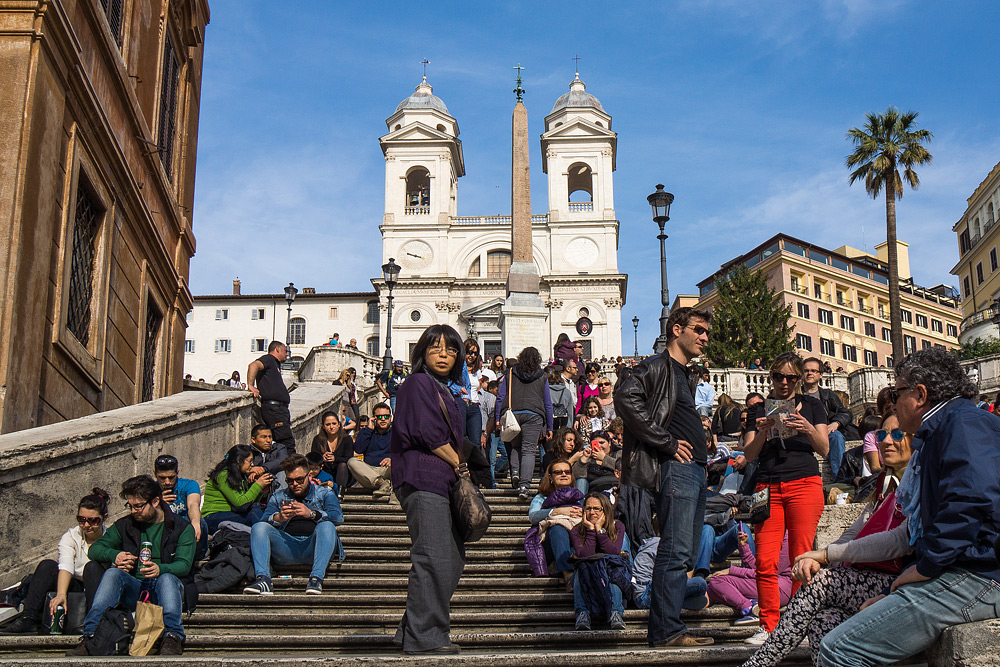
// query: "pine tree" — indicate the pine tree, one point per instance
point(748, 320)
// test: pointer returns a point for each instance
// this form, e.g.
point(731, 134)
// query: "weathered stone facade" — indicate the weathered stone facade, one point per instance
point(98, 133)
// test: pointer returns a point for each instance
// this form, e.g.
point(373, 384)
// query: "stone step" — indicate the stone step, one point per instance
point(358, 529)
point(402, 542)
point(515, 507)
point(371, 568)
point(353, 518)
point(487, 555)
point(335, 581)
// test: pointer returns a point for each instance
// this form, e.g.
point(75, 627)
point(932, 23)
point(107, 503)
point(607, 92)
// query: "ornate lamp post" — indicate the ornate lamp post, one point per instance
point(290, 293)
point(635, 323)
point(390, 273)
point(660, 201)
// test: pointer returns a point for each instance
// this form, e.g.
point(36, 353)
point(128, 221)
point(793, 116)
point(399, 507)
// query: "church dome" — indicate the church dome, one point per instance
point(423, 98)
point(577, 97)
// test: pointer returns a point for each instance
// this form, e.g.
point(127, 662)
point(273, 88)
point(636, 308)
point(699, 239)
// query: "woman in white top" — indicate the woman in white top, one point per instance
point(473, 417)
point(73, 572)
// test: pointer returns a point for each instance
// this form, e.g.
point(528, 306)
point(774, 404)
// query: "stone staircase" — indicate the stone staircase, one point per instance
point(501, 614)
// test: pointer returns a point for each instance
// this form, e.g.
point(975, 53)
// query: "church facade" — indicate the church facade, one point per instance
point(454, 268)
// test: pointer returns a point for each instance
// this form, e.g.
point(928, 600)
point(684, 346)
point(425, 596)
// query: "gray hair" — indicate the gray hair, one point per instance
point(939, 371)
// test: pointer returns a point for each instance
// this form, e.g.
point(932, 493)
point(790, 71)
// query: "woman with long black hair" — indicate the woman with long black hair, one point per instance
point(336, 447)
point(229, 493)
point(427, 430)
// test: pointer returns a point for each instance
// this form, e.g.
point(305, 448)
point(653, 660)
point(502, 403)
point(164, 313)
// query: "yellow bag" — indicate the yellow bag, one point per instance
point(148, 628)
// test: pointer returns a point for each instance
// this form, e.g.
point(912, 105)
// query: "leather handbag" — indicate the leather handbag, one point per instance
point(887, 515)
point(509, 426)
point(471, 514)
point(760, 505)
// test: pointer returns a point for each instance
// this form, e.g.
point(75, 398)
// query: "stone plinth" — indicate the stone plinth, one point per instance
point(522, 320)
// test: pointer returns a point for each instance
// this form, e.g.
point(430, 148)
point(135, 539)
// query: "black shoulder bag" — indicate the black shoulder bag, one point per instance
point(470, 512)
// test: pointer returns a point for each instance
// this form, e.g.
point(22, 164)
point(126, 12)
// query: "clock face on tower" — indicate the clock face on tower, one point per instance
point(582, 252)
point(415, 255)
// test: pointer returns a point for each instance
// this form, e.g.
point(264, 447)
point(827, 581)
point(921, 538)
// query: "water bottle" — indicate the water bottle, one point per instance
point(58, 621)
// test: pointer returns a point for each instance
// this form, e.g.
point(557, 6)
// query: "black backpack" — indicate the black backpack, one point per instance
point(113, 634)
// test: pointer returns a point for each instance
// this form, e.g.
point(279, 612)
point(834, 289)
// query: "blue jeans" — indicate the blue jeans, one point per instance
point(695, 592)
point(392, 404)
point(582, 485)
point(838, 445)
point(715, 549)
point(118, 586)
point(498, 456)
point(681, 512)
point(558, 548)
point(924, 609)
point(266, 542)
point(250, 518)
point(473, 422)
point(580, 605)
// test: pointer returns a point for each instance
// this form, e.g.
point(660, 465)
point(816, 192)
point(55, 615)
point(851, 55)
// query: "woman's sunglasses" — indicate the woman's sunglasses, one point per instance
point(89, 520)
point(778, 377)
point(896, 434)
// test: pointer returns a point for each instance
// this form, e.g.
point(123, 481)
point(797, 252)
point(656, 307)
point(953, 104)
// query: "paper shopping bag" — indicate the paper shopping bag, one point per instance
point(148, 628)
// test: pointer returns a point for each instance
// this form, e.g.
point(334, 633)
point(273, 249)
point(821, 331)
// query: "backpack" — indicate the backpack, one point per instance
point(113, 634)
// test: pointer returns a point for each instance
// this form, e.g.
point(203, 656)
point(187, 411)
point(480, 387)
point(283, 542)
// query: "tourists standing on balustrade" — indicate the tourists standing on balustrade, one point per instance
point(265, 382)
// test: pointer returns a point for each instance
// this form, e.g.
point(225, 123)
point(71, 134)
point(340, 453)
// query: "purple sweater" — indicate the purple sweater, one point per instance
point(418, 427)
point(749, 569)
point(597, 543)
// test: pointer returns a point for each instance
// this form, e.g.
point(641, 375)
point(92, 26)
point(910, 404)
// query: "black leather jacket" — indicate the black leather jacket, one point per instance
point(835, 410)
point(645, 400)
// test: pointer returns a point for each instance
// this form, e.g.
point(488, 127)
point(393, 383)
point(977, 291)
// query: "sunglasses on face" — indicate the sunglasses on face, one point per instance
point(896, 434)
point(894, 393)
point(472, 353)
point(296, 480)
point(778, 377)
point(89, 520)
point(603, 384)
point(560, 472)
point(698, 329)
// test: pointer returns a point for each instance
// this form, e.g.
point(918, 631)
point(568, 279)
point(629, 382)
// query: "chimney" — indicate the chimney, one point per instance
point(236, 287)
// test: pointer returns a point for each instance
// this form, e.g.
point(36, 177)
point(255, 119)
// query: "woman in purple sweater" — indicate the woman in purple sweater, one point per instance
point(598, 533)
point(427, 429)
point(737, 586)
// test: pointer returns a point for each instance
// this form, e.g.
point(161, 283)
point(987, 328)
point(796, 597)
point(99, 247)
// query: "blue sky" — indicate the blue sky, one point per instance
point(739, 108)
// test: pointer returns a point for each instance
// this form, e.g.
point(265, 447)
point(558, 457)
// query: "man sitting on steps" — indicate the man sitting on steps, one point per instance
point(372, 472)
point(299, 528)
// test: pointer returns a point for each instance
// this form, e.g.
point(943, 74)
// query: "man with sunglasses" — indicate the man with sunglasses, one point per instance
point(664, 450)
point(950, 494)
point(299, 528)
point(373, 471)
point(166, 575)
point(183, 497)
point(838, 416)
point(389, 381)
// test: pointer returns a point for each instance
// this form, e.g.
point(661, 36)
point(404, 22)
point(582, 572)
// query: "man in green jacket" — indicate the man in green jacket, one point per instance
point(171, 544)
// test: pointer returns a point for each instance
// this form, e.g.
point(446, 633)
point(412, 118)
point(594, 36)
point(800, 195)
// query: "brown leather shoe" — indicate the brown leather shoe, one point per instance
point(686, 641)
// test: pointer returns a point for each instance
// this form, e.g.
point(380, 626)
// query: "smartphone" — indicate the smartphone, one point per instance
point(740, 529)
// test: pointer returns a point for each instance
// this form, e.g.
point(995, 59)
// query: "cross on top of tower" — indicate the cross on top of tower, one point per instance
point(577, 58)
point(425, 63)
point(519, 91)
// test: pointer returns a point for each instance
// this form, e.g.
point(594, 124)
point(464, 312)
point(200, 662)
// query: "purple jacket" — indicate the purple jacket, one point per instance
point(564, 497)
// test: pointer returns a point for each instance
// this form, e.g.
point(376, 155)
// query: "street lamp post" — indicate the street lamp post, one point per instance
point(290, 293)
point(390, 273)
point(660, 201)
point(635, 323)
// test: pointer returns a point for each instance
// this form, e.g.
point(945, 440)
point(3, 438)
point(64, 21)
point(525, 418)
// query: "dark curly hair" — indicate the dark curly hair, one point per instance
point(529, 359)
point(938, 370)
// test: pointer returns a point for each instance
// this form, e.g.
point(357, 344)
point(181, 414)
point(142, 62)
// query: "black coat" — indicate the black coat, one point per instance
point(645, 401)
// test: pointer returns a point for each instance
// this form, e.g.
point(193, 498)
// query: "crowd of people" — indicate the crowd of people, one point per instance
point(650, 485)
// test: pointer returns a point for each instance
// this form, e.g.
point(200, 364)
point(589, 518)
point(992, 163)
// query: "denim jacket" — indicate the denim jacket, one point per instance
point(319, 498)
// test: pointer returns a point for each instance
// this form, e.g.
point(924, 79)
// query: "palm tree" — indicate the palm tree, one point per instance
point(886, 142)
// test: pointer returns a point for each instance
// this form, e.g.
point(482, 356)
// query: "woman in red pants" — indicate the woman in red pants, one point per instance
point(784, 436)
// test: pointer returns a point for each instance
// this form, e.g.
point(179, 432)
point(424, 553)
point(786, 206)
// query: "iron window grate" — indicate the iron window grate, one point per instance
point(114, 10)
point(81, 280)
point(153, 320)
point(168, 105)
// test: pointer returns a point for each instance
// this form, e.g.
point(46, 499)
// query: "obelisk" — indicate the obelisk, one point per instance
point(523, 315)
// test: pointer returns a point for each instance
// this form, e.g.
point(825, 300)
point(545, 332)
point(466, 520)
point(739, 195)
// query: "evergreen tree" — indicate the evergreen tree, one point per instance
point(748, 320)
point(979, 348)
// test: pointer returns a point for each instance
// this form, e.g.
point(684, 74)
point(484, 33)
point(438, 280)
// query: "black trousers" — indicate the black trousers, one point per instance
point(44, 581)
point(279, 420)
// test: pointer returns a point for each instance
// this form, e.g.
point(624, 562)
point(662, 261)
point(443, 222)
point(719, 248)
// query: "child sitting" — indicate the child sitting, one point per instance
point(317, 475)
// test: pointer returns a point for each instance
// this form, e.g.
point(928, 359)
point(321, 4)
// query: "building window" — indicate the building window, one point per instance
point(256, 313)
point(964, 243)
point(222, 313)
point(371, 346)
point(889, 362)
point(871, 358)
point(825, 316)
point(979, 273)
point(334, 313)
point(189, 346)
point(905, 315)
point(497, 264)
point(993, 260)
point(475, 269)
point(795, 283)
point(168, 104)
point(937, 325)
point(153, 321)
point(223, 345)
point(114, 10)
point(414, 315)
point(850, 352)
point(418, 192)
point(804, 311)
point(870, 329)
point(86, 224)
point(921, 321)
point(258, 345)
point(818, 290)
point(372, 315)
point(847, 322)
point(953, 331)
point(804, 342)
point(909, 344)
point(297, 331)
point(925, 345)
point(826, 347)
point(886, 335)
point(965, 285)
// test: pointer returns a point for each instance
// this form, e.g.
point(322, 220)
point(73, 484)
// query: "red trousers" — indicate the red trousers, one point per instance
point(796, 507)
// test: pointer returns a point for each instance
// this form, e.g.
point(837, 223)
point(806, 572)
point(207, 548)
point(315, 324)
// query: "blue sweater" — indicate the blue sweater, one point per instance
point(959, 490)
point(374, 446)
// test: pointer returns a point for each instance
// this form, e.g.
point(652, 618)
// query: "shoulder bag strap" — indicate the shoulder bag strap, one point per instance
point(447, 418)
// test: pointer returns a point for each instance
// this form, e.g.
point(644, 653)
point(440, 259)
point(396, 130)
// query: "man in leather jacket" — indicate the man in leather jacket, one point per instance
point(836, 414)
point(664, 451)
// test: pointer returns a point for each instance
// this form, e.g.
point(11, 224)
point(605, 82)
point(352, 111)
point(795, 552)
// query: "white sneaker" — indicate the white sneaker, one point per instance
point(759, 638)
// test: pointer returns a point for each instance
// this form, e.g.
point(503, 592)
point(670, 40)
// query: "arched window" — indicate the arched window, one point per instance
point(580, 179)
point(418, 192)
point(475, 270)
point(297, 331)
point(498, 264)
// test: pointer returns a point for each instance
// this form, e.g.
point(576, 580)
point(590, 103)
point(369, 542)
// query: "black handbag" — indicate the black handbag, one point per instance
point(470, 512)
point(760, 506)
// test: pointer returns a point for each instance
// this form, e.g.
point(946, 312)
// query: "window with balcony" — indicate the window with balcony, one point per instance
point(905, 315)
point(818, 291)
point(871, 358)
point(850, 352)
point(825, 316)
point(953, 331)
point(921, 321)
point(803, 310)
point(870, 329)
point(847, 322)
point(937, 325)
point(804, 342)
point(826, 347)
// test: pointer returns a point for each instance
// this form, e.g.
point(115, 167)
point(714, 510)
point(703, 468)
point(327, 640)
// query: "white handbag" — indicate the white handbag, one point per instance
point(509, 428)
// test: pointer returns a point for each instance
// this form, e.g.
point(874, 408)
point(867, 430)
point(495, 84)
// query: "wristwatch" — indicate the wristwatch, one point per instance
point(601, 531)
point(314, 515)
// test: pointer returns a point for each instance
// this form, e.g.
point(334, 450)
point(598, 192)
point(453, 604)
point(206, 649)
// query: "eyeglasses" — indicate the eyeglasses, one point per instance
point(382, 417)
point(296, 480)
point(894, 393)
point(89, 520)
point(437, 349)
point(594, 509)
point(591, 372)
point(778, 377)
point(136, 508)
point(698, 329)
point(896, 433)
point(562, 472)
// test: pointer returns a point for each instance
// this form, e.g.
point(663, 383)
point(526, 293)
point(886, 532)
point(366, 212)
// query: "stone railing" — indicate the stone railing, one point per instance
point(577, 207)
point(865, 384)
point(494, 219)
point(987, 372)
point(984, 315)
point(324, 363)
point(46, 470)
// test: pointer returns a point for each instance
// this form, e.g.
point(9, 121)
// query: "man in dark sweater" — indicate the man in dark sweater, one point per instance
point(163, 571)
point(264, 382)
point(372, 472)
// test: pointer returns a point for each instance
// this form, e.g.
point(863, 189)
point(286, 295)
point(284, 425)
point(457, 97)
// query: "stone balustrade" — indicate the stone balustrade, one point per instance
point(324, 363)
point(987, 372)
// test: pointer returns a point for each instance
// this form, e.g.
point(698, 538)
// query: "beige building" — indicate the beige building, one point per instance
point(978, 239)
point(99, 106)
point(840, 301)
